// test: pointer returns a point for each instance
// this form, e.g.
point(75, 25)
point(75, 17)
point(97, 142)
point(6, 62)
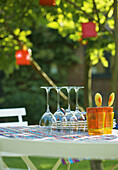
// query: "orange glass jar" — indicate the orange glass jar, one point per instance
point(108, 124)
point(95, 120)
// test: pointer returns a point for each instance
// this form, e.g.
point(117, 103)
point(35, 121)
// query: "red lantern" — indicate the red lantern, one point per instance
point(88, 30)
point(47, 2)
point(22, 57)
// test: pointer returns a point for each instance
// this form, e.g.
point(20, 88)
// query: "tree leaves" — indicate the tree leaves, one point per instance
point(66, 17)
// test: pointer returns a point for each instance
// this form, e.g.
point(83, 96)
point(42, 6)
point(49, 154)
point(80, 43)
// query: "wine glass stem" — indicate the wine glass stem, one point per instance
point(76, 99)
point(58, 98)
point(48, 90)
point(68, 99)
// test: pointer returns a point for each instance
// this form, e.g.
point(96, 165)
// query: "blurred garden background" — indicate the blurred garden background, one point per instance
point(60, 52)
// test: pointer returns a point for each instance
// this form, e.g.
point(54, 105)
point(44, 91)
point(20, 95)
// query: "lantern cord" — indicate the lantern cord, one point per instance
point(38, 69)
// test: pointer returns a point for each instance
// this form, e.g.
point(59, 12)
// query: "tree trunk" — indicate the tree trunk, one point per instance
point(96, 165)
point(114, 69)
point(87, 83)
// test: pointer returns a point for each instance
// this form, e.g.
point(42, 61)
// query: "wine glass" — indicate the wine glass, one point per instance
point(48, 118)
point(69, 113)
point(77, 113)
point(58, 114)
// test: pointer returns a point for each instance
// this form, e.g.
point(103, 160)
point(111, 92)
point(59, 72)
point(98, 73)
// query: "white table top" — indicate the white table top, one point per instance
point(38, 142)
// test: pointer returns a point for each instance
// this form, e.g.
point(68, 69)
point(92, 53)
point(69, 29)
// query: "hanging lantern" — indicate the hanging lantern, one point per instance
point(88, 30)
point(47, 2)
point(22, 57)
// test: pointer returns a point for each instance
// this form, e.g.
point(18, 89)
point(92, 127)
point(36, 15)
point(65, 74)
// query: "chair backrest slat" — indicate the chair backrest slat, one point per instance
point(11, 113)
point(14, 124)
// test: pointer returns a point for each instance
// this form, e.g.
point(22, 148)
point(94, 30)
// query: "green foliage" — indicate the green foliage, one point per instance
point(16, 18)
point(68, 16)
point(22, 88)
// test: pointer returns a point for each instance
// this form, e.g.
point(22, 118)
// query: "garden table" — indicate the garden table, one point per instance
point(39, 141)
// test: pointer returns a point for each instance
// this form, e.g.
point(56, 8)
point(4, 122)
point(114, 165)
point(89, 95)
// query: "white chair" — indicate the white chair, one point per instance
point(15, 112)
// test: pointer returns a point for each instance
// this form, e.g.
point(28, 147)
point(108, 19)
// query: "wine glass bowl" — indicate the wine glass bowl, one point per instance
point(69, 114)
point(47, 119)
point(58, 115)
point(79, 115)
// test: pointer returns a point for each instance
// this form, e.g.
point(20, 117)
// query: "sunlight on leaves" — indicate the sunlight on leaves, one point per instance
point(110, 13)
point(95, 61)
point(16, 47)
point(87, 6)
point(17, 31)
point(2, 20)
point(111, 46)
point(104, 61)
point(102, 19)
point(69, 15)
point(53, 25)
point(49, 17)
point(28, 32)
point(2, 35)
point(58, 2)
point(111, 23)
point(59, 10)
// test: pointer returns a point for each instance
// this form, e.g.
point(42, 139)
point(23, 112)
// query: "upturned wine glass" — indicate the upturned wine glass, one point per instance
point(69, 113)
point(77, 112)
point(48, 118)
point(58, 114)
